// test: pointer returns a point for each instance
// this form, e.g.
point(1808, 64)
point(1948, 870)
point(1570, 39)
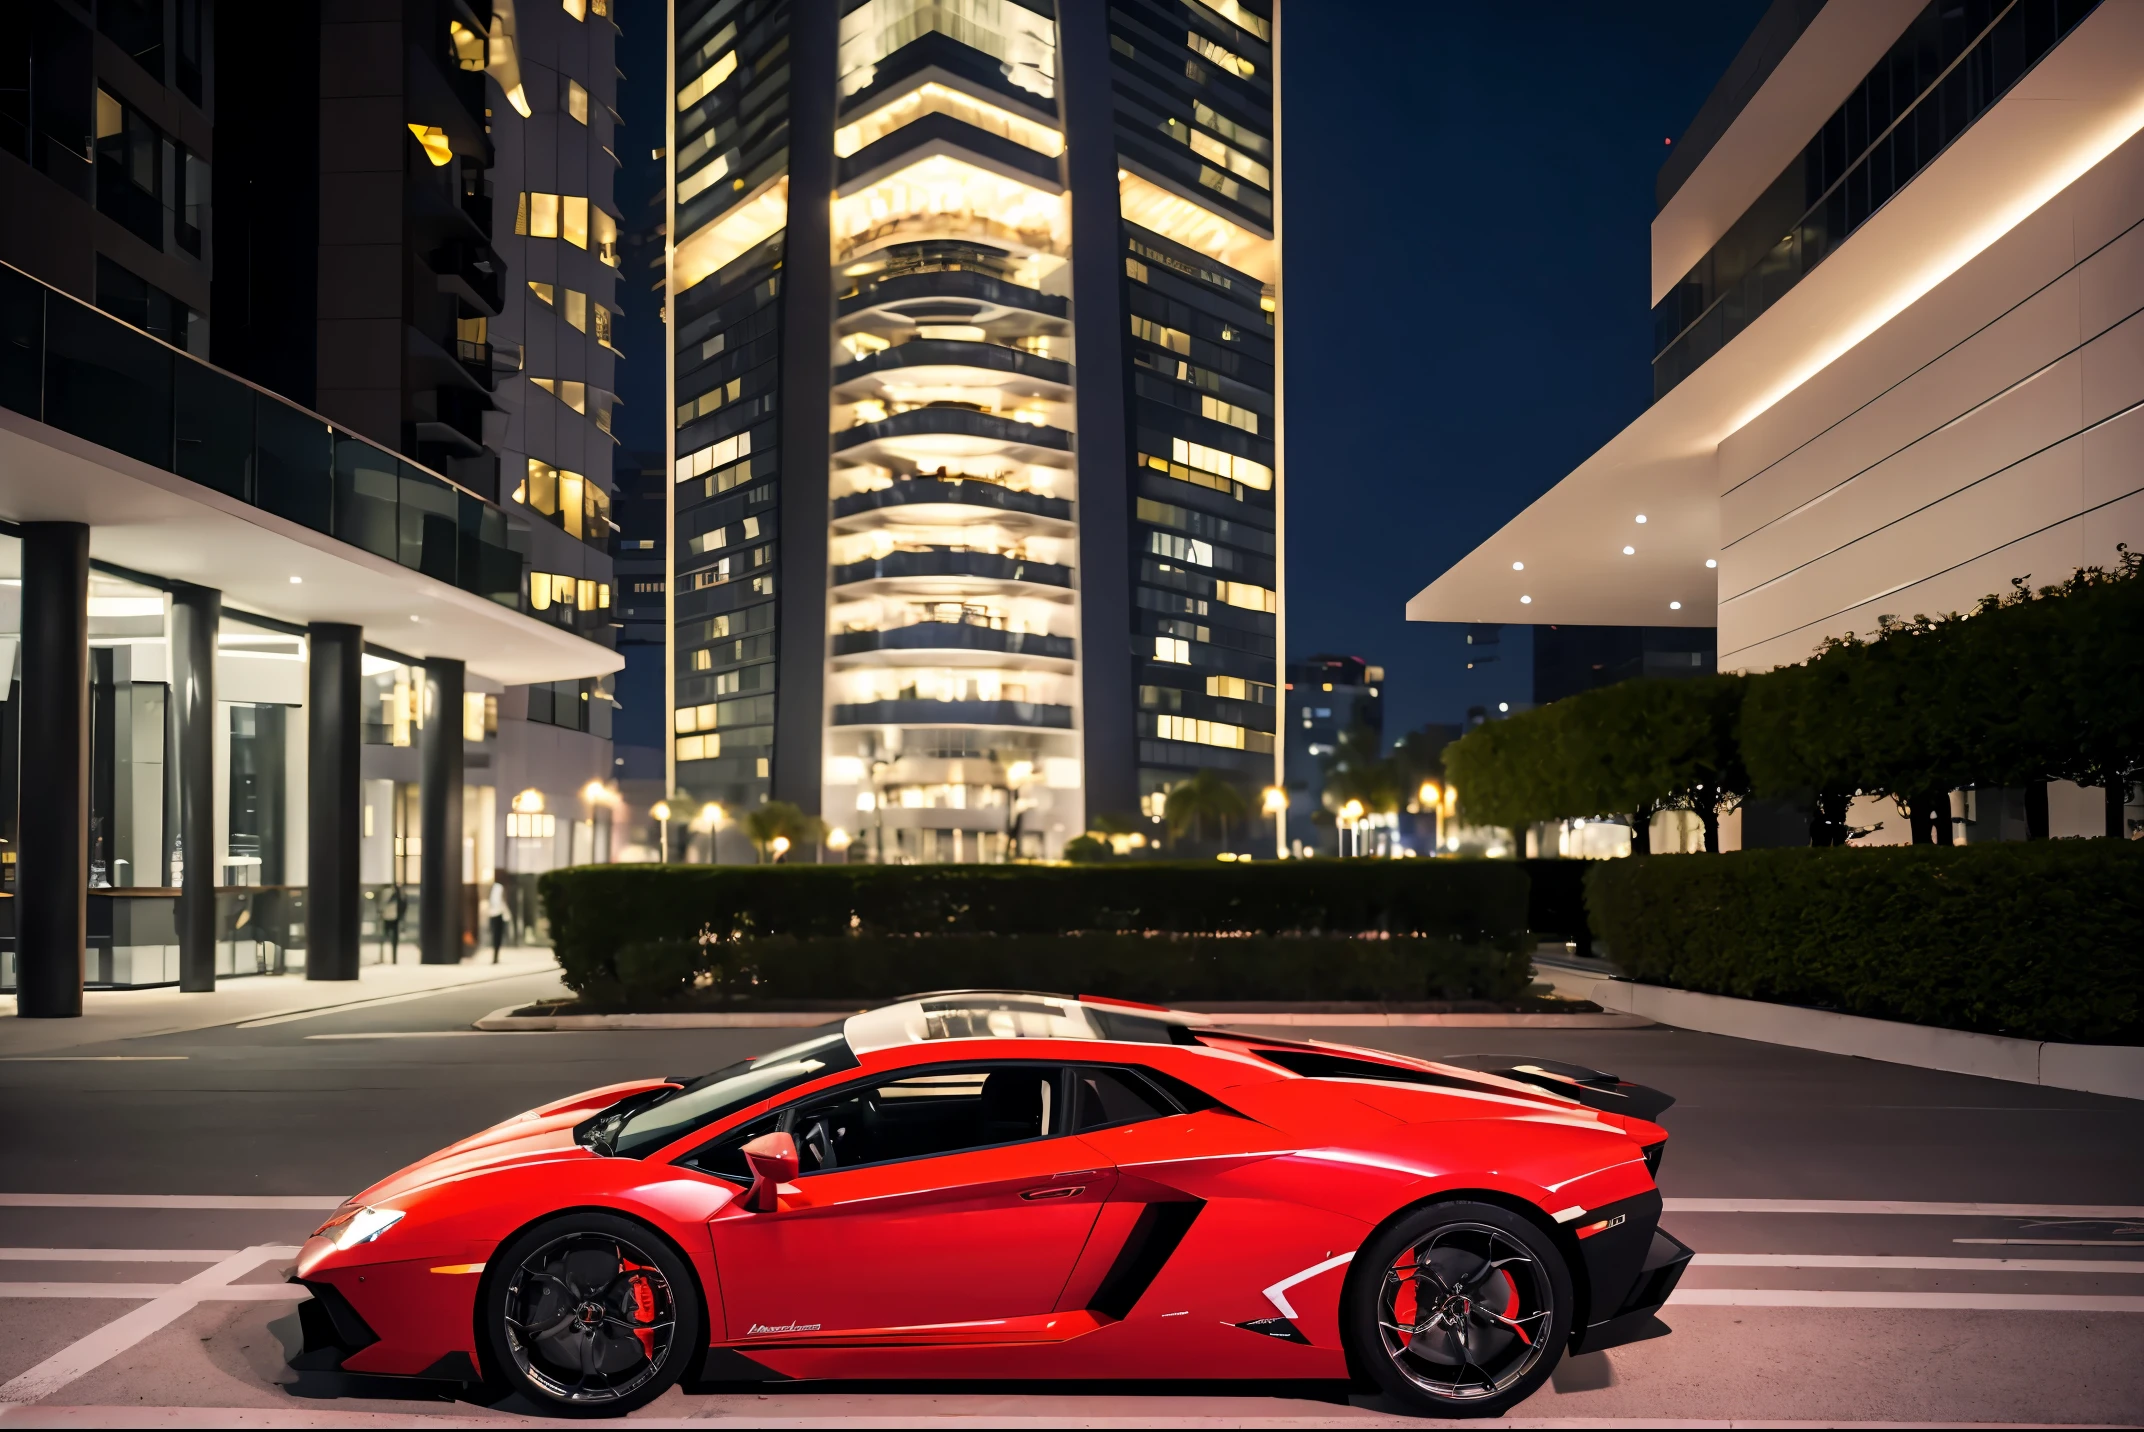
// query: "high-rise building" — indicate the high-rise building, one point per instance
point(1326, 698)
point(976, 487)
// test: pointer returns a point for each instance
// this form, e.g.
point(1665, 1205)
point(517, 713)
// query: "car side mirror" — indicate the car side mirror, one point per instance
point(773, 1161)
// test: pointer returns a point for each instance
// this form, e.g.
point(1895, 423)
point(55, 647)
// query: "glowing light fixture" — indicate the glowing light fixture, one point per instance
point(1641, 519)
point(1674, 606)
point(1518, 566)
point(528, 802)
point(1630, 551)
point(1526, 601)
point(1710, 562)
point(434, 141)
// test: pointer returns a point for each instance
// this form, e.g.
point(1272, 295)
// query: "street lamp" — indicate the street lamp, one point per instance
point(1351, 816)
point(1277, 807)
point(778, 847)
point(1431, 798)
point(661, 811)
point(837, 840)
point(709, 823)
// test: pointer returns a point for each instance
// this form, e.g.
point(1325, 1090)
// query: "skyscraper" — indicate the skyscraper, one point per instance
point(975, 515)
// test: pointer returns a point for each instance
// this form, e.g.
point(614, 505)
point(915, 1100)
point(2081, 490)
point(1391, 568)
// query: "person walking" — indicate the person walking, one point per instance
point(391, 920)
point(495, 907)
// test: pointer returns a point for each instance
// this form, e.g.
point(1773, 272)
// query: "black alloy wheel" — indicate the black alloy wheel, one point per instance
point(589, 1314)
point(1459, 1309)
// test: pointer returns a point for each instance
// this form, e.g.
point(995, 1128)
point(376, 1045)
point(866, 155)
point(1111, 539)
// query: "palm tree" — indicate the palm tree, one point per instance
point(1206, 796)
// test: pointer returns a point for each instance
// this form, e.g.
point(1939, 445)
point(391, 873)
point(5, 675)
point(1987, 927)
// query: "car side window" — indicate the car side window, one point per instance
point(942, 1110)
point(1102, 1097)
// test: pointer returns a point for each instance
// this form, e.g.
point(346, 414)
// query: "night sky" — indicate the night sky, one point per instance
point(1468, 190)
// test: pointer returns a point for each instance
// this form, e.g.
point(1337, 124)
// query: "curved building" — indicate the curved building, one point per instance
point(976, 508)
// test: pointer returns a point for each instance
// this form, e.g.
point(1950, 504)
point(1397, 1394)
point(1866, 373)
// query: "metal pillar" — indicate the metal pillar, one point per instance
point(52, 863)
point(195, 615)
point(439, 858)
point(334, 730)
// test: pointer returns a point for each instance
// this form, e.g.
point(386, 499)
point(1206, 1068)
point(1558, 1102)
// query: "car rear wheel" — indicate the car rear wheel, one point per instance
point(589, 1314)
point(1459, 1309)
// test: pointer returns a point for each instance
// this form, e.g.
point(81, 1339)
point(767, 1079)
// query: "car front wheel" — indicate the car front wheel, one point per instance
point(589, 1314)
point(1459, 1309)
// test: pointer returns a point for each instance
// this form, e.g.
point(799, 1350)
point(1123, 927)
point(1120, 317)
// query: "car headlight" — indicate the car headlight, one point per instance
point(359, 1225)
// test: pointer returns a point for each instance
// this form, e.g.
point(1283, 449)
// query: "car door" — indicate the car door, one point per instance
point(947, 1194)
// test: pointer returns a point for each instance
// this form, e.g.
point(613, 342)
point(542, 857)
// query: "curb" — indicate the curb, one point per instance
point(506, 1019)
point(2113, 1069)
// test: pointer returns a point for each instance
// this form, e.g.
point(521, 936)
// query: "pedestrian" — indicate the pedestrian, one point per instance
point(495, 906)
point(391, 919)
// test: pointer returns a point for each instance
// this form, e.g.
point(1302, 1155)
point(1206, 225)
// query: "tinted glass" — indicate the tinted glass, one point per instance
point(1113, 1096)
point(727, 1090)
point(108, 383)
point(215, 430)
point(430, 525)
point(936, 1111)
point(291, 466)
point(366, 482)
point(22, 342)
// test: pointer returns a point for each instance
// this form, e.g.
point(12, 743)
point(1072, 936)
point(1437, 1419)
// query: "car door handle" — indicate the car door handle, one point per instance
point(1062, 1190)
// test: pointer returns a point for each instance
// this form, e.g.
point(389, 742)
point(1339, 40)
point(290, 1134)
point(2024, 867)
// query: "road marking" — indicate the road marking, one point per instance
point(1931, 1265)
point(115, 1255)
point(2058, 1242)
point(93, 1058)
point(1845, 1298)
point(292, 1016)
point(95, 1349)
point(228, 1293)
point(251, 1203)
point(1924, 1210)
point(439, 1034)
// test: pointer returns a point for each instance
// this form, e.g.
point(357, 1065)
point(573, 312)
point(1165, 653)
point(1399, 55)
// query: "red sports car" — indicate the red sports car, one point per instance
point(981, 1184)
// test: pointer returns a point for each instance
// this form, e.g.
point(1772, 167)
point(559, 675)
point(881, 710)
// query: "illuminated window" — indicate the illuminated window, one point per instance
point(576, 311)
point(1221, 55)
point(1204, 733)
point(1224, 464)
point(531, 825)
point(543, 487)
point(480, 716)
point(571, 502)
point(573, 221)
point(1246, 594)
point(709, 401)
point(707, 459)
point(1207, 147)
point(543, 291)
point(578, 9)
point(433, 140)
point(935, 98)
point(1194, 226)
point(941, 197)
point(606, 236)
point(1172, 649)
point(469, 49)
point(705, 84)
point(543, 215)
point(577, 101)
point(1182, 549)
point(1231, 11)
point(1229, 686)
point(1228, 413)
point(1240, 135)
point(1022, 42)
point(1173, 339)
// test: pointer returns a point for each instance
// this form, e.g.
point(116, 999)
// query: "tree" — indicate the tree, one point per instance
point(1358, 771)
point(1203, 798)
point(778, 820)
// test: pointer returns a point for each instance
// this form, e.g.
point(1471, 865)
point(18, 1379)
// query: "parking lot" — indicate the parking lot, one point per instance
point(1877, 1244)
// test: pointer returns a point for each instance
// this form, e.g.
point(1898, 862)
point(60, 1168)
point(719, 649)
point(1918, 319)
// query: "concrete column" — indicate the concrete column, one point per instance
point(52, 863)
point(439, 860)
point(335, 727)
point(195, 614)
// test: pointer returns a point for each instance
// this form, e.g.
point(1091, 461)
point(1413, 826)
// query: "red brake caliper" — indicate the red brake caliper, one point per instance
point(1404, 1311)
point(1511, 1303)
point(643, 1294)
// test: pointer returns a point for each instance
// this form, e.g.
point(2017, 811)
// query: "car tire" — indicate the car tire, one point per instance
point(1458, 1309)
point(589, 1315)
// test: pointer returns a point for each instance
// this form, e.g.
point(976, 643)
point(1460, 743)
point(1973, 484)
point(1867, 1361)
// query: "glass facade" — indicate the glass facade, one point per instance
point(978, 548)
point(1955, 60)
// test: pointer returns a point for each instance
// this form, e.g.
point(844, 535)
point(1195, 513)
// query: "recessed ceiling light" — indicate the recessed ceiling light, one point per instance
point(1641, 517)
point(1630, 551)
point(416, 619)
point(1526, 601)
point(1518, 566)
point(297, 581)
point(1674, 606)
point(1710, 562)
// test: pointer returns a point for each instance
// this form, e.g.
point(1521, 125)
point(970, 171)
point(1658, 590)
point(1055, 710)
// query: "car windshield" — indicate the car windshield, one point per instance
point(641, 1129)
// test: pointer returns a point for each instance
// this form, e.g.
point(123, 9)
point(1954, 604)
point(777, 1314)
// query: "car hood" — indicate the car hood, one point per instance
point(539, 1135)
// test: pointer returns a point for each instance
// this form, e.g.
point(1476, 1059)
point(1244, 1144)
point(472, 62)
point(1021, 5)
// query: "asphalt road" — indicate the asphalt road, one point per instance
point(1841, 1276)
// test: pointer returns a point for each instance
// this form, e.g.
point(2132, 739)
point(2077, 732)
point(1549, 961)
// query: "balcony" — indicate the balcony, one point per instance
point(951, 562)
point(941, 432)
point(67, 365)
point(471, 272)
point(956, 353)
point(477, 359)
point(954, 636)
point(962, 492)
point(970, 293)
point(912, 712)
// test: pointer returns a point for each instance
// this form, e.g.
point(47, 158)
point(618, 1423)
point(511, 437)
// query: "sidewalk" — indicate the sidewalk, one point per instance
point(134, 1014)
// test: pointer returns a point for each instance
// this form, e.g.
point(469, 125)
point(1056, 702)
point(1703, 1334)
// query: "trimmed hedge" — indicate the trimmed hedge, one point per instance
point(1161, 969)
point(1556, 901)
point(2037, 939)
point(1450, 929)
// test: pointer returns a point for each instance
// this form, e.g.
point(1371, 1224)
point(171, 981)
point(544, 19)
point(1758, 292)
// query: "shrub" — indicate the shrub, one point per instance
point(2041, 939)
point(1170, 931)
